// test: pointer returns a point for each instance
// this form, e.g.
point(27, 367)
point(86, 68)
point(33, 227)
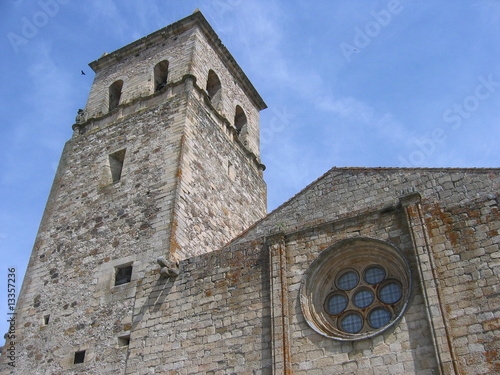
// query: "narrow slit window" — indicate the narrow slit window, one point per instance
point(161, 75)
point(46, 319)
point(79, 357)
point(116, 164)
point(123, 275)
point(115, 93)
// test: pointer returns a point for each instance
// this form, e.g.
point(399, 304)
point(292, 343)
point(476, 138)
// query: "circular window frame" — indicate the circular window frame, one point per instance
point(354, 254)
point(343, 273)
point(331, 295)
point(358, 292)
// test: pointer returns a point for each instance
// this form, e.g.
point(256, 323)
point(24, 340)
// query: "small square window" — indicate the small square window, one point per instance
point(79, 357)
point(123, 275)
point(124, 340)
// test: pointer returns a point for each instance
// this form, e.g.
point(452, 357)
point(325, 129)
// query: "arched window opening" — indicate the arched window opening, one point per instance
point(161, 74)
point(240, 120)
point(115, 92)
point(213, 88)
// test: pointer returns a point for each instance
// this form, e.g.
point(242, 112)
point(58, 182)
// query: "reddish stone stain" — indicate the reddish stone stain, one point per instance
point(233, 276)
point(491, 355)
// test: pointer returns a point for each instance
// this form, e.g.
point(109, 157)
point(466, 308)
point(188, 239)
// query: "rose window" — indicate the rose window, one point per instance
point(356, 289)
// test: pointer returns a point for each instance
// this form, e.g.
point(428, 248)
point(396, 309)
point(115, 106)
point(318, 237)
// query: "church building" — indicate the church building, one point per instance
point(156, 254)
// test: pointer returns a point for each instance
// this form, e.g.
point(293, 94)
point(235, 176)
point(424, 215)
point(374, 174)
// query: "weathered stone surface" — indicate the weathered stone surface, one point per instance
point(447, 326)
point(163, 174)
point(164, 183)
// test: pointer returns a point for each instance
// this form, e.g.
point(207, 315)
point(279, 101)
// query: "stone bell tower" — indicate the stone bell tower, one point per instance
point(164, 163)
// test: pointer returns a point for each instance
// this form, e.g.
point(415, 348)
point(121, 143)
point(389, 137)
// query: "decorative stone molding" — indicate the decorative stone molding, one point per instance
point(357, 288)
point(280, 313)
point(429, 282)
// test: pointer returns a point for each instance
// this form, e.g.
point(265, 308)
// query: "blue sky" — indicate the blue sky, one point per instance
point(348, 83)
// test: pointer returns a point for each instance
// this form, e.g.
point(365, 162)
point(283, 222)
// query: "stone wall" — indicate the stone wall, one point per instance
point(221, 190)
point(448, 232)
point(134, 65)
point(349, 191)
point(191, 47)
point(212, 319)
point(92, 225)
point(163, 174)
point(206, 58)
point(188, 183)
point(466, 243)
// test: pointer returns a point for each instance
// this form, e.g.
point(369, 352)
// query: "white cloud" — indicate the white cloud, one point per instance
point(253, 33)
point(105, 13)
point(361, 114)
point(347, 108)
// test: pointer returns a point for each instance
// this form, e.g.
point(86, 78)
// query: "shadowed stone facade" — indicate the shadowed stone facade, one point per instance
point(155, 254)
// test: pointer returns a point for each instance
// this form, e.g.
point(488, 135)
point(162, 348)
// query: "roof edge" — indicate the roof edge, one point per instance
point(358, 169)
